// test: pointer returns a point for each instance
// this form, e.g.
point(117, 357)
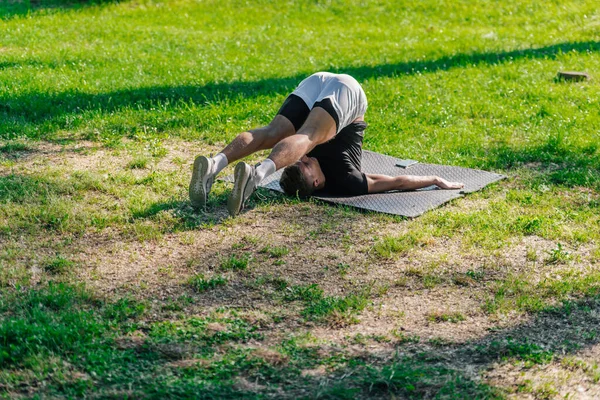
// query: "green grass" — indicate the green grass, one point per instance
point(80, 344)
point(275, 251)
point(234, 262)
point(318, 306)
point(520, 293)
point(138, 163)
point(530, 353)
point(464, 83)
point(453, 317)
point(58, 265)
point(200, 284)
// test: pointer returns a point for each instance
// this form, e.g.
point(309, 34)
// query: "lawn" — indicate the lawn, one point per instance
point(112, 286)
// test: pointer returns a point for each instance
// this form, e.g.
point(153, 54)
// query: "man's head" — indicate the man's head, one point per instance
point(302, 178)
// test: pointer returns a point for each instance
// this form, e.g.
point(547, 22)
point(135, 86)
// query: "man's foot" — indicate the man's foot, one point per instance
point(202, 180)
point(244, 185)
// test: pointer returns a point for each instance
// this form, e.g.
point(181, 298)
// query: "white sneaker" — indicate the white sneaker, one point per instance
point(202, 181)
point(244, 185)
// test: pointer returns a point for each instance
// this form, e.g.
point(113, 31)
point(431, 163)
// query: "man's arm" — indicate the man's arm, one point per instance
point(383, 183)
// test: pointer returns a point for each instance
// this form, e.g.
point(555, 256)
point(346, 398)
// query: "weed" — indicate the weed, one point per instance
point(522, 350)
point(531, 255)
point(404, 337)
point(319, 306)
point(453, 317)
point(431, 280)
point(138, 163)
point(343, 268)
point(399, 245)
point(307, 293)
point(558, 255)
point(278, 283)
point(58, 265)
point(200, 284)
point(275, 251)
point(439, 342)
point(204, 331)
point(124, 309)
point(177, 304)
point(237, 263)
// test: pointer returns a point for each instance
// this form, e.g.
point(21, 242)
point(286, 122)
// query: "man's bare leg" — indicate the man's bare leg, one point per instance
point(247, 143)
point(318, 128)
point(205, 169)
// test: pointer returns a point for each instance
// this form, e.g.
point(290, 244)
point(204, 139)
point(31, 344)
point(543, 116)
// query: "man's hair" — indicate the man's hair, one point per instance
point(293, 182)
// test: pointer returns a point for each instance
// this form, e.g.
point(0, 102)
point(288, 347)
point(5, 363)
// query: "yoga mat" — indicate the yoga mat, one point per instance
point(406, 203)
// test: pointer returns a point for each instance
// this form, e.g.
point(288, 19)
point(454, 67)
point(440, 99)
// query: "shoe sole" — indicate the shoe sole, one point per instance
point(197, 191)
point(235, 202)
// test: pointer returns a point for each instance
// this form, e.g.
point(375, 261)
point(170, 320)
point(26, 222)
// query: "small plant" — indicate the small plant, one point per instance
point(319, 306)
point(304, 293)
point(276, 251)
point(439, 341)
point(343, 268)
point(124, 309)
point(200, 284)
point(58, 265)
point(558, 255)
point(431, 281)
point(138, 163)
point(475, 275)
point(400, 245)
point(405, 338)
point(531, 255)
point(177, 304)
point(438, 317)
point(277, 282)
point(524, 350)
point(235, 263)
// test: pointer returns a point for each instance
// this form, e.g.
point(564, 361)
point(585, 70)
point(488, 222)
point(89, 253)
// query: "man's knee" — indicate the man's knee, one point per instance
point(279, 128)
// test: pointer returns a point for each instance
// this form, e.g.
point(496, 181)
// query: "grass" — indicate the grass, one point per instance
point(61, 333)
point(58, 265)
point(200, 284)
point(234, 262)
point(453, 317)
point(104, 104)
point(275, 251)
point(336, 309)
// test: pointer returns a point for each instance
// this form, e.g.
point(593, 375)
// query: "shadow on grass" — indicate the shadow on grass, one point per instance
point(79, 345)
point(34, 109)
point(12, 8)
point(186, 217)
point(553, 162)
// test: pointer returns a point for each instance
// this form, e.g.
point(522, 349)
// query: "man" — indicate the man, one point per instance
point(317, 134)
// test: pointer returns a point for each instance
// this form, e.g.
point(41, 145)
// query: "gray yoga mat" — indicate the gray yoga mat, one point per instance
point(409, 203)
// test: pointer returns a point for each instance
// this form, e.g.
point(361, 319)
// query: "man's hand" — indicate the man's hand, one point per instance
point(444, 184)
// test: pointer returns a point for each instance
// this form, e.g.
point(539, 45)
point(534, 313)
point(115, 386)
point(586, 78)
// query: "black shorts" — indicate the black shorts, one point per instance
point(296, 110)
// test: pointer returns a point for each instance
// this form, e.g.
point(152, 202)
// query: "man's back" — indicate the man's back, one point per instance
point(340, 161)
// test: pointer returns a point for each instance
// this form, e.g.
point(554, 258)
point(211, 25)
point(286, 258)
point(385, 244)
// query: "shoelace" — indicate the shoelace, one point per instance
point(209, 183)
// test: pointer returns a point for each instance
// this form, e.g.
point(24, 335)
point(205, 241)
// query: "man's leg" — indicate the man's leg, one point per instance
point(319, 127)
point(205, 169)
point(255, 140)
